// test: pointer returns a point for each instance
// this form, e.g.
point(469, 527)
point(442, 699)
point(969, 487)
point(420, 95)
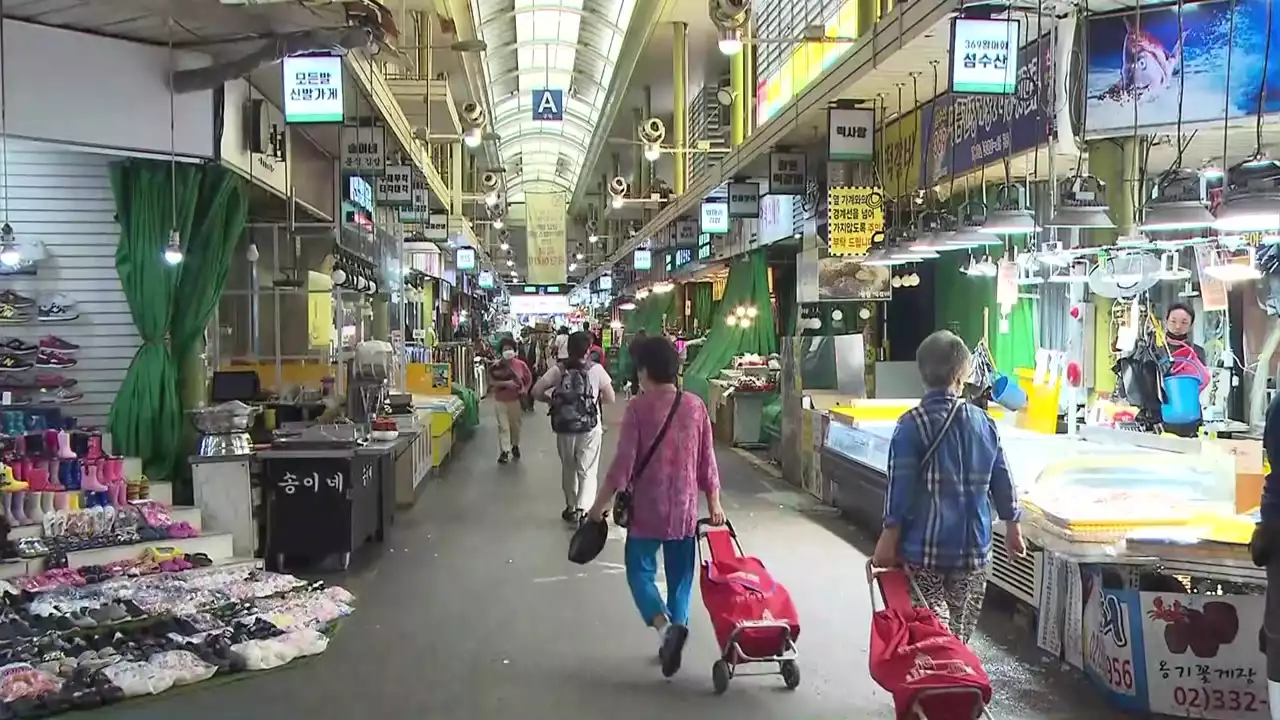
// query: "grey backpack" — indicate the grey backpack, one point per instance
point(574, 409)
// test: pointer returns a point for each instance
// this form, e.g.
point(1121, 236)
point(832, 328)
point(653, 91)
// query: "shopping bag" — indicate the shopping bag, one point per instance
point(588, 540)
point(923, 666)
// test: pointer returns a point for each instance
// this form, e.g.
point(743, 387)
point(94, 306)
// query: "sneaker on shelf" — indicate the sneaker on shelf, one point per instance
point(16, 382)
point(51, 359)
point(12, 315)
point(45, 381)
point(16, 299)
point(60, 395)
point(57, 312)
point(53, 342)
point(13, 363)
point(17, 346)
point(16, 399)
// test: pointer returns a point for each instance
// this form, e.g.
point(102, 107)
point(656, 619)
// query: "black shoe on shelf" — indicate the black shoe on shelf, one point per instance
point(13, 363)
point(515, 451)
point(503, 458)
point(18, 346)
point(16, 299)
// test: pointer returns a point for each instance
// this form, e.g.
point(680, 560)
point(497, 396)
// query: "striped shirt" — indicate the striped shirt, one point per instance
point(944, 508)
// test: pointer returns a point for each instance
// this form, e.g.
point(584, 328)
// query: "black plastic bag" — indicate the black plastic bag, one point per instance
point(588, 541)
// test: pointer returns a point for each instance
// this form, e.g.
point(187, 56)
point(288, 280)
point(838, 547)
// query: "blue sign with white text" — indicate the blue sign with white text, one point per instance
point(548, 104)
point(965, 132)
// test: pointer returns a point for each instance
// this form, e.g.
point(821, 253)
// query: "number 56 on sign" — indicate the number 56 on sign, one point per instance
point(855, 219)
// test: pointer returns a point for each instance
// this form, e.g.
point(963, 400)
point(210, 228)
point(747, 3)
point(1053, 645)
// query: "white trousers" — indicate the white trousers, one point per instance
point(579, 465)
point(510, 418)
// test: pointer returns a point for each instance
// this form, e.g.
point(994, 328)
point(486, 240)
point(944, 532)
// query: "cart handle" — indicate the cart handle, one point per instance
point(704, 528)
point(704, 523)
point(873, 583)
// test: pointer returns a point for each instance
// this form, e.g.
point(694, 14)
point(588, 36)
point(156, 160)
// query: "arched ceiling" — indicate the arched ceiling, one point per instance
point(567, 45)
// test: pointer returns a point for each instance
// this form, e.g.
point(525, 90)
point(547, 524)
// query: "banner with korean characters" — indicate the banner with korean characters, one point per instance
point(544, 229)
point(1112, 631)
point(787, 172)
point(1203, 659)
point(395, 188)
point(364, 150)
point(963, 133)
point(855, 219)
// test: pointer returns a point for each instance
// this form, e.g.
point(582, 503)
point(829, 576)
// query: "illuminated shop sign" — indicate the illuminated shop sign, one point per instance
point(806, 63)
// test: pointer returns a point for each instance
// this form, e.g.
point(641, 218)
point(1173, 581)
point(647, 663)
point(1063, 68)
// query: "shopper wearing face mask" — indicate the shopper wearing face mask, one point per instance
point(1187, 358)
point(511, 379)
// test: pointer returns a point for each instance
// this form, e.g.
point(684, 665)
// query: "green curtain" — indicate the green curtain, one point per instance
point(152, 199)
point(1017, 347)
point(699, 296)
point(748, 287)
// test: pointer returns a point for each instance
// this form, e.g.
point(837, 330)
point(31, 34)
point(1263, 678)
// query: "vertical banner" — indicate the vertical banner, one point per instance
point(544, 229)
point(900, 168)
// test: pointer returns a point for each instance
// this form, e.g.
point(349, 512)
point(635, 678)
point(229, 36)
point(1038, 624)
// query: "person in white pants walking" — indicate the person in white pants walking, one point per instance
point(575, 388)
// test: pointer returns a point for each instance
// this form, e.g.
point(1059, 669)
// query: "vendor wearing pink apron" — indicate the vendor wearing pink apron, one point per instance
point(1187, 358)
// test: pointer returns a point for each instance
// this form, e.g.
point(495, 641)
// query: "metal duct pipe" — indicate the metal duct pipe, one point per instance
point(272, 51)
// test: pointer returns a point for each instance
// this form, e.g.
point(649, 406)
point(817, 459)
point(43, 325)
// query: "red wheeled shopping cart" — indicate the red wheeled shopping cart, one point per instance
point(931, 674)
point(753, 616)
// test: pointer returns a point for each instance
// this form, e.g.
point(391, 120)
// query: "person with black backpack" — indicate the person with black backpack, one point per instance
point(575, 389)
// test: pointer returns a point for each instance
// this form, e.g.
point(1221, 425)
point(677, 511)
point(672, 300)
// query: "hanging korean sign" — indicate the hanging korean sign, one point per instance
point(312, 89)
point(466, 258)
point(851, 133)
point(787, 173)
point(395, 189)
point(544, 229)
point(744, 199)
point(982, 52)
point(364, 149)
point(855, 219)
point(686, 233)
point(966, 132)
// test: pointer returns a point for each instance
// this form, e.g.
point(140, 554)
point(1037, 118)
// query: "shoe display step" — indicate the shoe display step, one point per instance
point(217, 547)
point(182, 513)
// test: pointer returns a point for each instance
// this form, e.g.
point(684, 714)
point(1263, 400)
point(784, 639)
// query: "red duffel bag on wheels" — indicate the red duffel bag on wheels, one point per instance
point(930, 672)
point(754, 618)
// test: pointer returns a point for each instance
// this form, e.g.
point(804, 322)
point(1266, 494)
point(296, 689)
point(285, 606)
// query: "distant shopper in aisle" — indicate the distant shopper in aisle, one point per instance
point(511, 379)
point(665, 459)
point(575, 388)
point(561, 344)
point(947, 472)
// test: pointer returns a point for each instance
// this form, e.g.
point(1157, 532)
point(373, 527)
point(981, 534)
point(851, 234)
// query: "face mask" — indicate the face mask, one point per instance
point(508, 354)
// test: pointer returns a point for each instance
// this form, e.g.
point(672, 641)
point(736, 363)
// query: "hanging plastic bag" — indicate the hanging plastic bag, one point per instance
point(983, 370)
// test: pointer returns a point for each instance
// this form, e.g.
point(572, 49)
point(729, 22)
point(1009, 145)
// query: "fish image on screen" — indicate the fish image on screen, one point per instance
point(1142, 62)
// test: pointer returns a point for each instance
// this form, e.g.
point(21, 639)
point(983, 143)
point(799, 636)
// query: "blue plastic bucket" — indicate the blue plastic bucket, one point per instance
point(1006, 391)
point(1181, 399)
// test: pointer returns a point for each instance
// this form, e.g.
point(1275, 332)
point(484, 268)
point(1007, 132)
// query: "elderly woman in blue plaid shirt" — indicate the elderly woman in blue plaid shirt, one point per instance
point(946, 473)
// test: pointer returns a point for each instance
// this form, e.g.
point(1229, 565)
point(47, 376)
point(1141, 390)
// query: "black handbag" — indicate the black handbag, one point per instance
point(623, 501)
point(588, 541)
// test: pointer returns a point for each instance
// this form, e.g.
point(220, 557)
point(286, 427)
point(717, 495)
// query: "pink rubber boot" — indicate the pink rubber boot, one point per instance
point(91, 482)
point(64, 446)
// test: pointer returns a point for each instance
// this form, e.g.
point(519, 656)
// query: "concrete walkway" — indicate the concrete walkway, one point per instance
point(471, 612)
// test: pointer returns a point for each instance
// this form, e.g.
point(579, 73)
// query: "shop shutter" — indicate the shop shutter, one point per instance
point(62, 198)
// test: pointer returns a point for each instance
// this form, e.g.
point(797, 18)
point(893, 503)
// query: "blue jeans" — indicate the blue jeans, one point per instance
point(679, 558)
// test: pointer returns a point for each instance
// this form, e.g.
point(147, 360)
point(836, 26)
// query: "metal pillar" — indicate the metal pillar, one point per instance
point(646, 168)
point(455, 179)
point(422, 38)
point(738, 109)
point(749, 80)
point(638, 164)
point(680, 123)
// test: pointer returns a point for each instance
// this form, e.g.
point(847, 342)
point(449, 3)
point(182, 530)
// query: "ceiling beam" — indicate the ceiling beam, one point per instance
point(459, 11)
point(644, 19)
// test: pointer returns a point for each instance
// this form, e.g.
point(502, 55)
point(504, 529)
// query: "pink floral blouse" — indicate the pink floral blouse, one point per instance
point(684, 465)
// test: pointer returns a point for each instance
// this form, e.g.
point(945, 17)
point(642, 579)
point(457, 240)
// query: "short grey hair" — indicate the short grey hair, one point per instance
point(943, 360)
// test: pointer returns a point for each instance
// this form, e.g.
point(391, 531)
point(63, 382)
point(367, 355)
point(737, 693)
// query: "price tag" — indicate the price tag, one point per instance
point(1202, 655)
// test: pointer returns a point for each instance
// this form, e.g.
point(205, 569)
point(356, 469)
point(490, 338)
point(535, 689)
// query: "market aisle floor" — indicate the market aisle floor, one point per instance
point(473, 613)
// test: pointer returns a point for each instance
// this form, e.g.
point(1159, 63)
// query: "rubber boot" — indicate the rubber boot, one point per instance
point(91, 481)
point(64, 446)
point(95, 447)
point(60, 500)
point(31, 508)
point(19, 508)
point(73, 501)
point(46, 502)
point(50, 443)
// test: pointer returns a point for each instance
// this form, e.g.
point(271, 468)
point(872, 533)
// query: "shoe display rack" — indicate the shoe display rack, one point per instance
point(75, 640)
point(32, 371)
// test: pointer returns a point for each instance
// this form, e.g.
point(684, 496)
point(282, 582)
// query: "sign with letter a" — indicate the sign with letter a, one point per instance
point(548, 105)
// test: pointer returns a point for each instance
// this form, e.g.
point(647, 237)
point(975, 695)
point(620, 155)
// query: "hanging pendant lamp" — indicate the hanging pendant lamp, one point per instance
point(973, 215)
point(1010, 215)
point(1083, 204)
point(1179, 202)
point(1252, 200)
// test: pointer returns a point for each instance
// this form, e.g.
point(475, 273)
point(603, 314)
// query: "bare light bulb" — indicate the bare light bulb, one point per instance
point(578, 256)
point(9, 254)
point(498, 224)
point(252, 254)
point(473, 137)
point(617, 203)
point(593, 238)
point(172, 251)
point(505, 246)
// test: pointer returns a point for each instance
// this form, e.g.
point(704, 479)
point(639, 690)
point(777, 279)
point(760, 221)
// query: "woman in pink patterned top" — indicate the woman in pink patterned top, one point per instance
point(665, 493)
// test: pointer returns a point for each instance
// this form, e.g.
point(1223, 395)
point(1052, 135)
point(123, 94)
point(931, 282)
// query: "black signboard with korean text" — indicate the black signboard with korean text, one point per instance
point(321, 504)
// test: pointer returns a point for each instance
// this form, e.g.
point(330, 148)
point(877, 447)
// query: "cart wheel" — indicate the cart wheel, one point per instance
point(720, 676)
point(790, 674)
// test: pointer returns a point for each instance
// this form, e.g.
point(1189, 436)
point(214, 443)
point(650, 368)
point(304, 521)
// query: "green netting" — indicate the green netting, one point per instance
point(469, 420)
point(748, 286)
point(771, 427)
point(700, 297)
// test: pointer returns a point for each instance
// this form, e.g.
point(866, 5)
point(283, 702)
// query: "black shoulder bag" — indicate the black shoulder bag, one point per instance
point(622, 502)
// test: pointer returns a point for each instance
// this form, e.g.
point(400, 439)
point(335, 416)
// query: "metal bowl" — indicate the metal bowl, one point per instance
point(223, 419)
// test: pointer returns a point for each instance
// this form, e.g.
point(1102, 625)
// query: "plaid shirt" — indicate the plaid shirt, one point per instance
point(944, 509)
